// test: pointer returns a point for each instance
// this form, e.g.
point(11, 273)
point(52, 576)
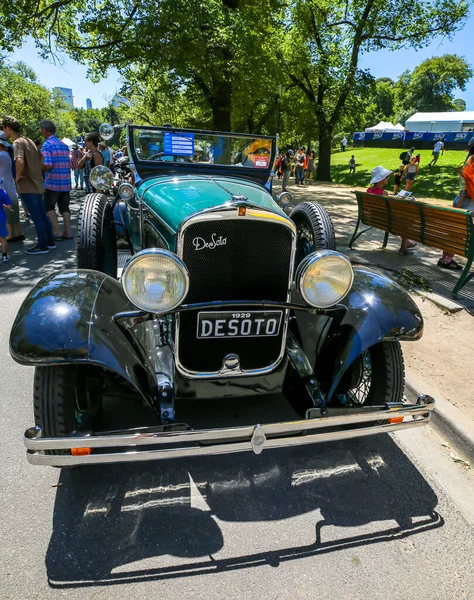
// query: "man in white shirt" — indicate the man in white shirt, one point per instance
point(438, 148)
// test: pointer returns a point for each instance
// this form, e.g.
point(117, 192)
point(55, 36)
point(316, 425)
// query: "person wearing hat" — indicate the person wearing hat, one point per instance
point(286, 169)
point(15, 234)
point(74, 157)
point(378, 180)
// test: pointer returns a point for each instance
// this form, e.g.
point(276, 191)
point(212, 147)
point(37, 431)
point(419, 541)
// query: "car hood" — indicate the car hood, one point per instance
point(175, 198)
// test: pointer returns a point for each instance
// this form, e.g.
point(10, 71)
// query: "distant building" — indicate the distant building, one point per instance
point(88, 103)
point(441, 121)
point(65, 94)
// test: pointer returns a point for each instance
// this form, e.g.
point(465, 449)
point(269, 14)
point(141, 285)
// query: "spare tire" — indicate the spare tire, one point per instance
point(314, 229)
point(96, 241)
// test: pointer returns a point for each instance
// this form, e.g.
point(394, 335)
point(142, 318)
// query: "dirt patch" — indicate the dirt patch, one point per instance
point(444, 353)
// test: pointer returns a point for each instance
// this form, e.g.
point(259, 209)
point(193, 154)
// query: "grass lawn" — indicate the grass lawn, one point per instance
point(440, 181)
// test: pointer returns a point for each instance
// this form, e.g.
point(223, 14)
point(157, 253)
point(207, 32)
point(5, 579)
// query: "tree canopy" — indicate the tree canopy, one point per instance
point(23, 97)
point(246, 65)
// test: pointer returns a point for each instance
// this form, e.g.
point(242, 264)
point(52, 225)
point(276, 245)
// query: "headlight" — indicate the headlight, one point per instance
point(323, 278)
point(126, 191)
point(285, 199)
point(155, 280)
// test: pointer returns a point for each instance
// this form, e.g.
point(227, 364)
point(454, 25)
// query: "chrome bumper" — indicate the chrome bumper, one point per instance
point(150, 444)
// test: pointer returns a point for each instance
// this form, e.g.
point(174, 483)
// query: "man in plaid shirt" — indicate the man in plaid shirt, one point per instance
point(57, 180)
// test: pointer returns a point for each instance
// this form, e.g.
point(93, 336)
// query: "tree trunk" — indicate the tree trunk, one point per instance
point(323, 172)
point(221, 106)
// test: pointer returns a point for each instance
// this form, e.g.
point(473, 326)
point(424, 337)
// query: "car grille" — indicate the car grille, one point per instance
point(253, 264)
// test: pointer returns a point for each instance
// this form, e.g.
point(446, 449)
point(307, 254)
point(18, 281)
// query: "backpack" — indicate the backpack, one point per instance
point(403, 155)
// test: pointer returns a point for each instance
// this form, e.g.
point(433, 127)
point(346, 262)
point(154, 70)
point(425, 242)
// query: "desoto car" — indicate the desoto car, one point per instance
point(219, 294)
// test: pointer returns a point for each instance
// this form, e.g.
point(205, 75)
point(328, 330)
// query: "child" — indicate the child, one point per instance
point(352, 165)
point(398, 177)
point(4, 201)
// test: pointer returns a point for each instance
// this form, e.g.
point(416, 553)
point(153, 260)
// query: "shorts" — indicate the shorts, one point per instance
point(52, 197)
point(410, 176)
point(3, 223)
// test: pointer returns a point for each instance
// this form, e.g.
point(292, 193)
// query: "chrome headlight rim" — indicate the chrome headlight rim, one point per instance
point(154, 252)
point(126, 185)
point(307, 262)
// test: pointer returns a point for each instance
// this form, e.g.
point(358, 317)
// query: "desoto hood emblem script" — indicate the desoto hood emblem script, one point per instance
point(200, 243)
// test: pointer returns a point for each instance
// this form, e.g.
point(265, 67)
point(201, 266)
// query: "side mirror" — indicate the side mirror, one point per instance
point(102, 178)
point(285, 199)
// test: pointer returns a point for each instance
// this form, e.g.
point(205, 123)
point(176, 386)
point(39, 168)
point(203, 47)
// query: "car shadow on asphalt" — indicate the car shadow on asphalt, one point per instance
point(177, 516)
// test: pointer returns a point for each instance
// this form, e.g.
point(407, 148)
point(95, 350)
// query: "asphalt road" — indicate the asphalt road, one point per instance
point(385, 517)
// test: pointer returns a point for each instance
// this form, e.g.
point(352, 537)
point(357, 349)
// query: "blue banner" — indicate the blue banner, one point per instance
point(379, 135)
point(415, 136)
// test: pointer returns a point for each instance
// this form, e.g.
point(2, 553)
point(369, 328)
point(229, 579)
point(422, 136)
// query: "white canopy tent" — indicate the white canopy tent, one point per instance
point(68, 142)
point(385, 126)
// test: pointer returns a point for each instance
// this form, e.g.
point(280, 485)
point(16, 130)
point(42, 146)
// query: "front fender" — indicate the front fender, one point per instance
point(67, 318)
point(378, 310)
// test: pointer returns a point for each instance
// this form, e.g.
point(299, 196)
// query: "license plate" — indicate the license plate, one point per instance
point(227, 324)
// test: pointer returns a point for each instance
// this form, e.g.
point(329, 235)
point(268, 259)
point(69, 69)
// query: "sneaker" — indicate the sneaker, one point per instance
point(5, 258)
point(52, 246)
point(37, 250)
point(452, 265)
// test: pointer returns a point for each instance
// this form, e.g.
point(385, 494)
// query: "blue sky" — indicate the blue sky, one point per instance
point(381, 64)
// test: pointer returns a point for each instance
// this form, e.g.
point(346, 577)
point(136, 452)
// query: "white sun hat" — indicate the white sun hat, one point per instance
point(379, 174)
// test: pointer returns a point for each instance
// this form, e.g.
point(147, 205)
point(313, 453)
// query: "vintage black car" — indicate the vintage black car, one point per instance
point(218, 294)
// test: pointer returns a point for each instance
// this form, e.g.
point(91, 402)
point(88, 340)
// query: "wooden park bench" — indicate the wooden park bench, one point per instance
point(447, 228)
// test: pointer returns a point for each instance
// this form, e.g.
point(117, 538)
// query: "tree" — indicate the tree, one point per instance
point(326, 38)
point(431, 85)
point(459, 104)
point(24, 98)
point(214, 48)
point(87, 120)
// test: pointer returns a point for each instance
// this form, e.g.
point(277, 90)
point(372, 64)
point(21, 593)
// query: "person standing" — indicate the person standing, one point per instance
point(310, 166)
point(8, 185)
point(102, 147)
point(29, 184)
point(4, 202)
point(410, 172)
point(398, 177)
point(286, 169)
point(437, 149)
point(76, 155)
point(299, 167)
point(91, 158)
point(352, 165)
point(343, 144)
point(57, 179)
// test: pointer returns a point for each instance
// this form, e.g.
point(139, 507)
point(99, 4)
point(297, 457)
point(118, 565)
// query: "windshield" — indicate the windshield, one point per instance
point(166, 146)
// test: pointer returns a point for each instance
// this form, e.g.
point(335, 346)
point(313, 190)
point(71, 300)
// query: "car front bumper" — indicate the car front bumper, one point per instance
point(169, 442)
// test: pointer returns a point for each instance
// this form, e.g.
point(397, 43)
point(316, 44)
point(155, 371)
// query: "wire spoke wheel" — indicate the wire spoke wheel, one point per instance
point(375, 377)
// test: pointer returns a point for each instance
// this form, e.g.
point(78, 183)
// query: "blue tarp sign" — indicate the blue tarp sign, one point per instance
point(179, 144)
